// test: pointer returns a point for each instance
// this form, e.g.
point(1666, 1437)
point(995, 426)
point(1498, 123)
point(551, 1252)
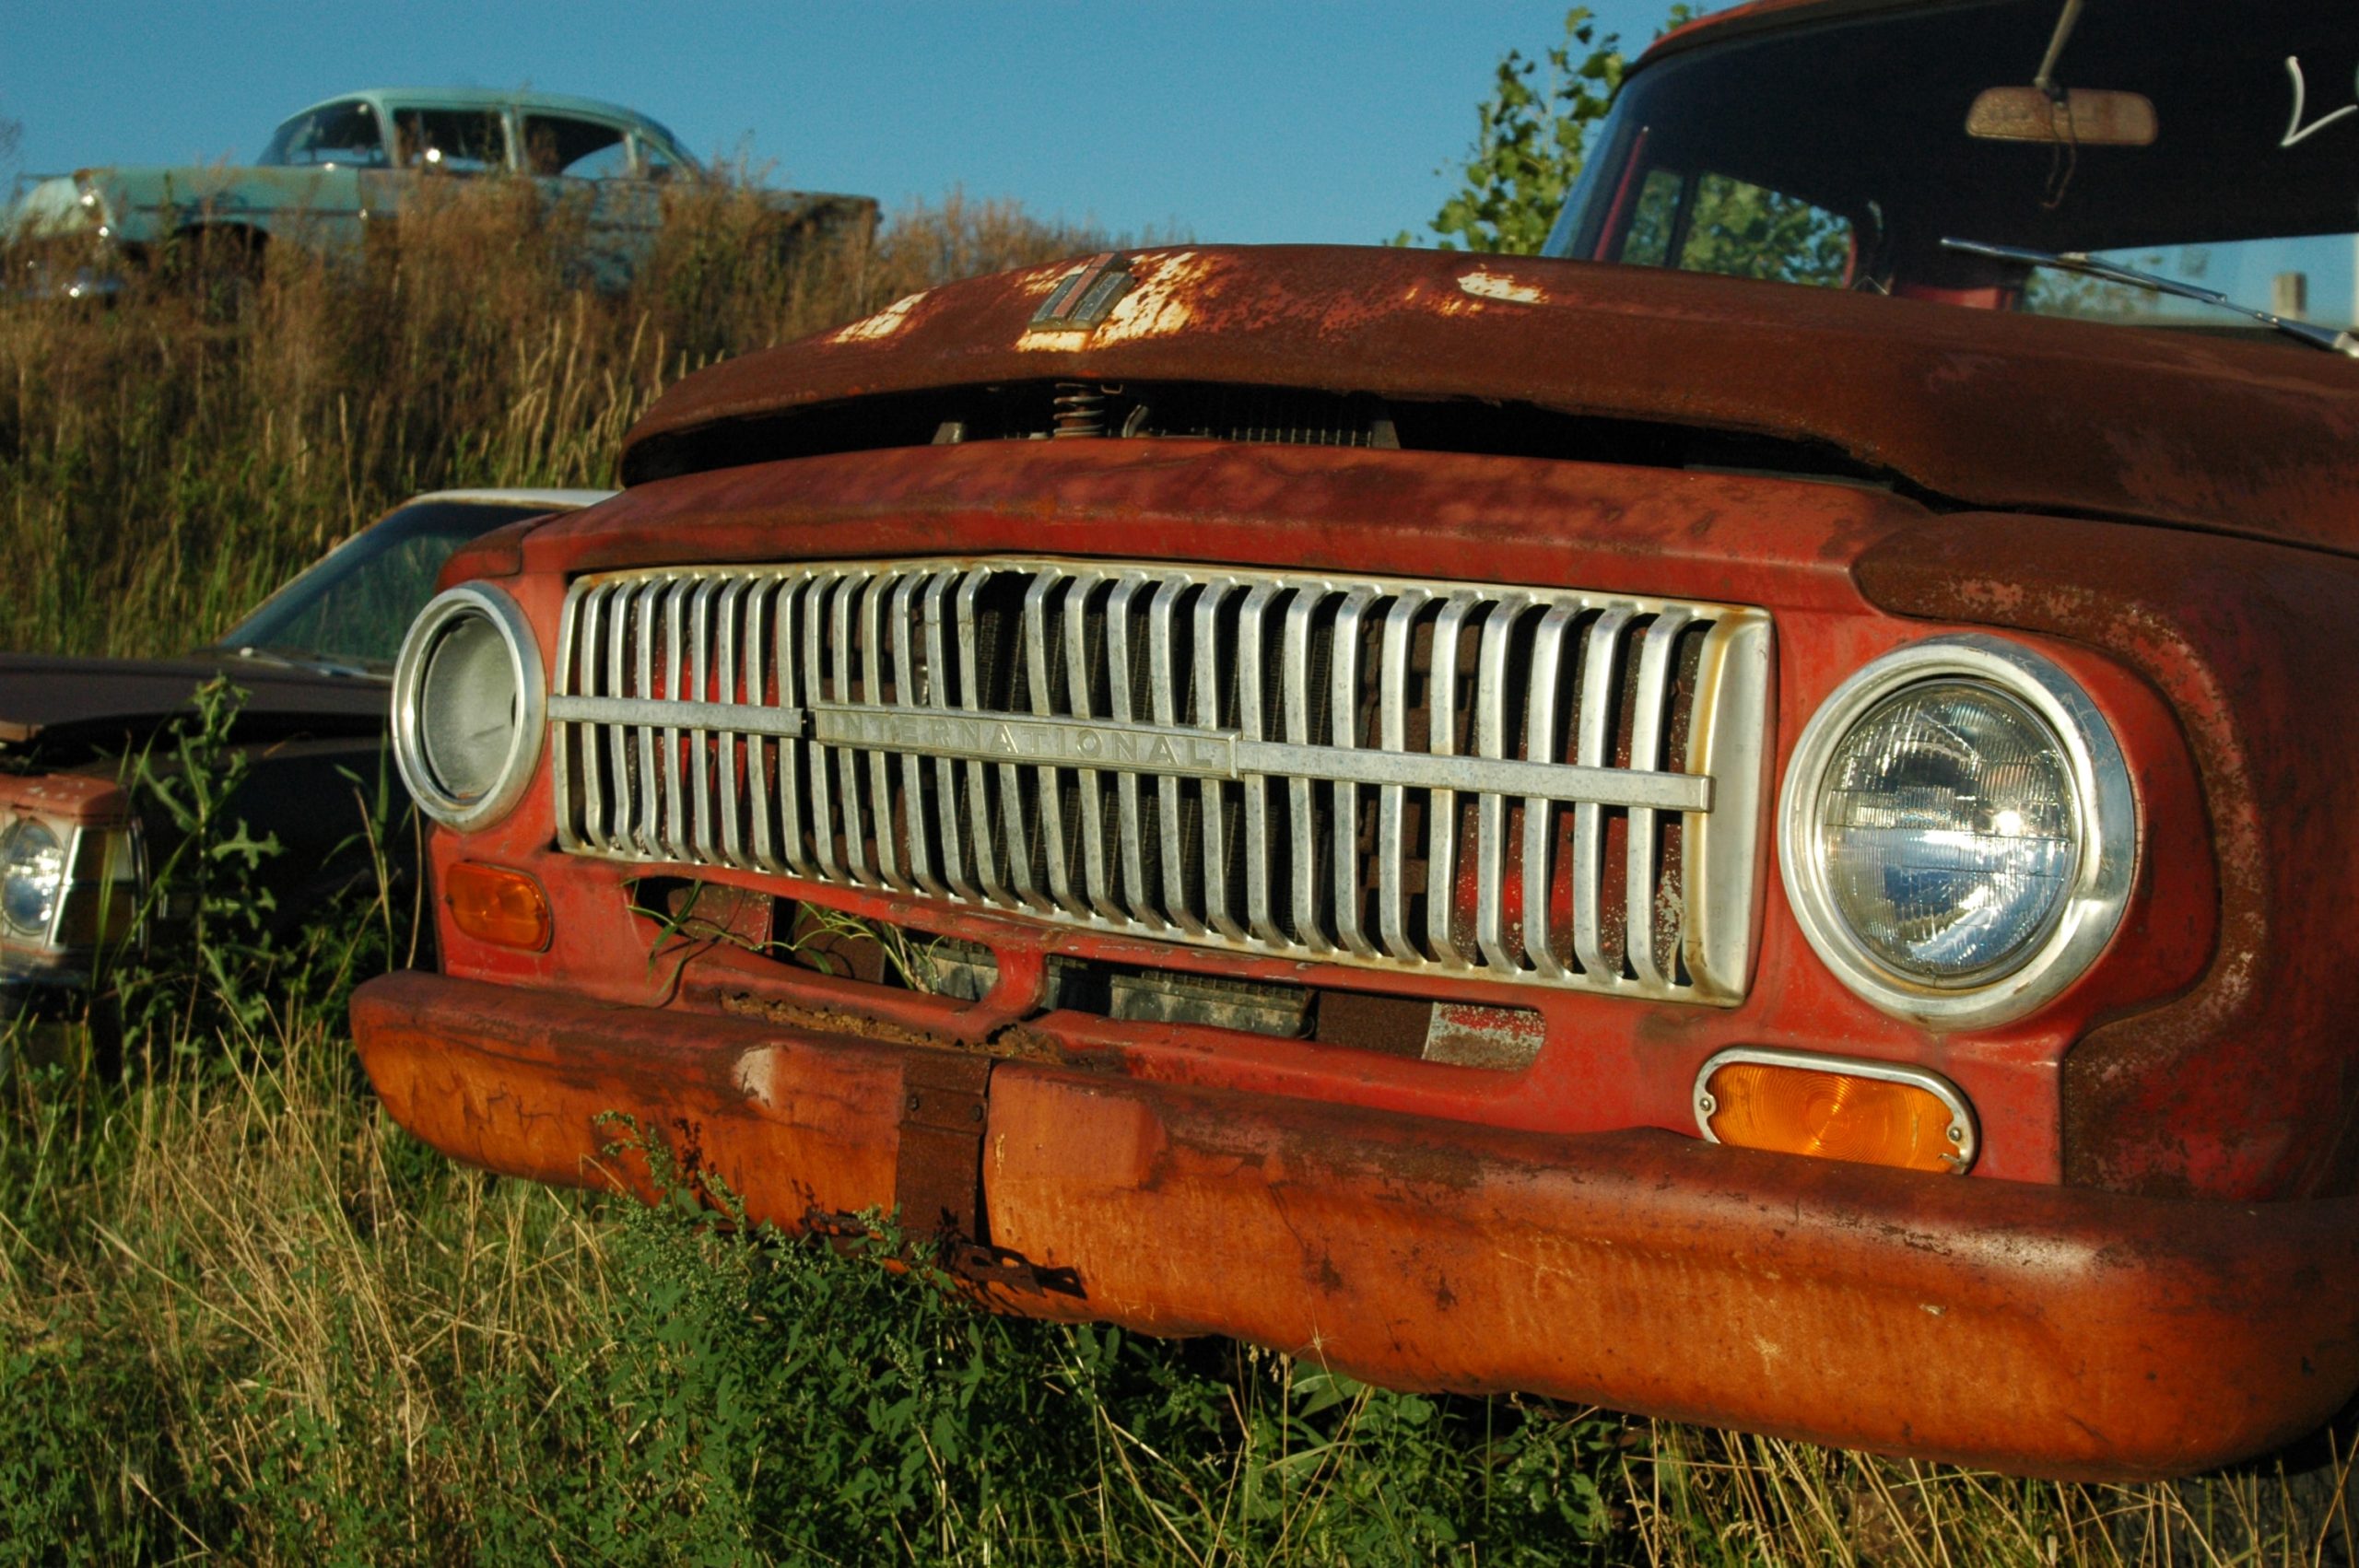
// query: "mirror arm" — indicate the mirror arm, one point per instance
point(2045, 80)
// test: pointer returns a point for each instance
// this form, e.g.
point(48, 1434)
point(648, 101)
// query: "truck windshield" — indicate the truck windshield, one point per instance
point(1834, 153)
point(354, 606)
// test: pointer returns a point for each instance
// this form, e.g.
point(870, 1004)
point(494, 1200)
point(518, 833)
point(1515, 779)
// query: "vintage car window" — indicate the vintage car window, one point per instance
point(456, 141)
point(354, 606)
point(565, 147)
point(335, 135)
point(662, 157)
point(1838, 153)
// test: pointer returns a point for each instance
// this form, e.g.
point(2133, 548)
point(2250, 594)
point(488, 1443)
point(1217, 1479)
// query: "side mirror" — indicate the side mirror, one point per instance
point(2086, 117)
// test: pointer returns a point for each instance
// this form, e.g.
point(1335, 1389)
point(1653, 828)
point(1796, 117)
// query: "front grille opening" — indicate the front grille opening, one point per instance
point(1228, 412)
point(817, 940)
point(987, 733)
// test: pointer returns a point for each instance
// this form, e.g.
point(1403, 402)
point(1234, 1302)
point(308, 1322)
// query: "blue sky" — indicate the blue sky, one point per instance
point(1314, 121)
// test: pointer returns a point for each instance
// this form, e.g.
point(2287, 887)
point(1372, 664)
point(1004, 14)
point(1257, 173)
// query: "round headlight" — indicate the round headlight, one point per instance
point(33, 873)
point(469, 706)
point(1958, 832)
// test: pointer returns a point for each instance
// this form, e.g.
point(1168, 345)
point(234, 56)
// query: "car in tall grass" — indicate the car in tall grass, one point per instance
point(299, 687)
point(1736, 821)
point(337, 173)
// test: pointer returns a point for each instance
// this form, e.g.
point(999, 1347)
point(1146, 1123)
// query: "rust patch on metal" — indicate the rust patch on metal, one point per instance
point(848, 1022)
point(1497, 286)
point(1990, 408)
point(884, 324)
point(2133, 1336)
point(938, 1172)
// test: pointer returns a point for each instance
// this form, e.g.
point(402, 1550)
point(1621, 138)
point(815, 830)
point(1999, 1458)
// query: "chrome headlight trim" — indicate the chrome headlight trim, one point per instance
point(2105, 806)
point(21, 830)
point(530, 720)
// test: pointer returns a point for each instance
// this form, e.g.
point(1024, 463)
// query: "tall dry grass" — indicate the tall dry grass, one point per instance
point(167, 460)
point(244, 1316)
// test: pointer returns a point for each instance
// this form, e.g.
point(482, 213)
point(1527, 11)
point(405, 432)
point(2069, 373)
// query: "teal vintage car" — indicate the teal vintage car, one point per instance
point(338, 169)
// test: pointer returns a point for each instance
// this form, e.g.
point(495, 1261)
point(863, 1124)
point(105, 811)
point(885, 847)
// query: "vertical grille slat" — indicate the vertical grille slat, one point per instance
point(1037, 668)
point(1213, 802)
point(915, 823)
point(1128, 820)
point(1302, 840)
point(1096, 868)
point(673, 675)
point(970, 700)
point(934, 608)
point(1442, 816)
point(1495, 782)
point(1601, 657)
point(816, 636)
point(619, 621)
point(793, 690)
point(875, 824)
point(1649, 724)
point(1491, 812)
point(1251, 686)
point(729, 761)
point(577, 631)
point(1343, 707)
point(1162, 689)
point(649, 789)
point(1392, 735)
point(1539, 812)
point(699, 762)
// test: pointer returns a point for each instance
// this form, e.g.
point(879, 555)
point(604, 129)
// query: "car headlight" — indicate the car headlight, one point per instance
point(32, 874)
point(469, 706)
point(1958, 832)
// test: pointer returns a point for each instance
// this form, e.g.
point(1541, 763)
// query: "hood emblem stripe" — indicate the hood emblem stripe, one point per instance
point(1087, 298)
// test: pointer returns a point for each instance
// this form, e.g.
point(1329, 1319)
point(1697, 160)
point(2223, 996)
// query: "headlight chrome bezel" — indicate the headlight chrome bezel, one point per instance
point(434, 623)
point(2105, 806)
point(61, 846)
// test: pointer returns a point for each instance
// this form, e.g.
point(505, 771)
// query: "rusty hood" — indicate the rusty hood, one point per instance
point(1985, 408)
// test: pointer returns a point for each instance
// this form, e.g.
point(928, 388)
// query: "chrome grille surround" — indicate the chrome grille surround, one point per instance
point(773, 719)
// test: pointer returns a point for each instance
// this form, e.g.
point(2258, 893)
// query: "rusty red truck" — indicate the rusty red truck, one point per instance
point(1736, 821)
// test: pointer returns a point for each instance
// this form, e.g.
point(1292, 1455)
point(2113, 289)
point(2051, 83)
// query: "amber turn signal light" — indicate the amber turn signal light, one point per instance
point(499, 905)
point(1835, 1109)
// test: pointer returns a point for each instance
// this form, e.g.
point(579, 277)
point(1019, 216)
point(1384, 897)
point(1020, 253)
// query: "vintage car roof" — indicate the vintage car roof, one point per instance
point(493, 98)
point(1985, 408)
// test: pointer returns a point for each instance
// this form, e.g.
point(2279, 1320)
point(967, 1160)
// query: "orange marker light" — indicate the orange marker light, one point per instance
point(1834, 1115)
point(493, 904)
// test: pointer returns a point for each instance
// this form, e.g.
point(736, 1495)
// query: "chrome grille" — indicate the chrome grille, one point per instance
point(1511, 783)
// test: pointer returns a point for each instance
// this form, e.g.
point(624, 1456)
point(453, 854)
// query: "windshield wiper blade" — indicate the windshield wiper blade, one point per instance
point(2332, 339)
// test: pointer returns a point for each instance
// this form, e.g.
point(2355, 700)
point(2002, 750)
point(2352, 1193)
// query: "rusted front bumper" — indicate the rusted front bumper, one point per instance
point(2043, 1329)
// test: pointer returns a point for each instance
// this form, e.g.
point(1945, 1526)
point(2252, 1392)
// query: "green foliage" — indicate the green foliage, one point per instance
point(204, 902)
point(1532, 137)
point(1535, 134)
